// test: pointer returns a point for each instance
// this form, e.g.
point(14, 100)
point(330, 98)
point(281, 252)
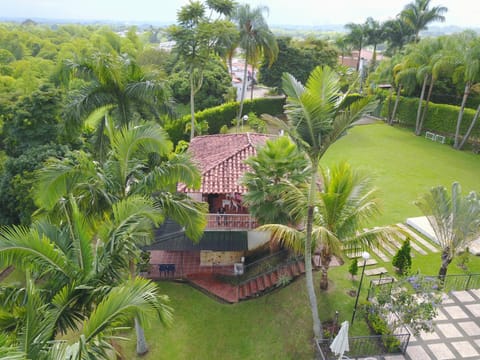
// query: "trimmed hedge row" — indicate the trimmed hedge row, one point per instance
point(221, 115)
point(441, 118)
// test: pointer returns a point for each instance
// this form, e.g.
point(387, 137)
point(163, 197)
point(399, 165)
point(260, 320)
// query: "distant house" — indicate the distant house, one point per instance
point(365, 57)
point(229, 233)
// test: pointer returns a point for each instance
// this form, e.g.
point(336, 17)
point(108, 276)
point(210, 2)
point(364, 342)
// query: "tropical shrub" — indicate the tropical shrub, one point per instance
point(353, 269)
point(403, 259)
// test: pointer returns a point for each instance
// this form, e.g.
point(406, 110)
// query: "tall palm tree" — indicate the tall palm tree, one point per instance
point(137, 166)
point(316, 119)
point(356, 37)
point(197, 36)
point(256, 40)
point(344, 207)
point(397, 34)
point(455, 220)
point(418, 15)
point(469, 70)
point(374, 35)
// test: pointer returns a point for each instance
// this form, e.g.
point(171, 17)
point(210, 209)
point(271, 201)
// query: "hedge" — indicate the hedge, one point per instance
point(441, 118)
point(221, 115)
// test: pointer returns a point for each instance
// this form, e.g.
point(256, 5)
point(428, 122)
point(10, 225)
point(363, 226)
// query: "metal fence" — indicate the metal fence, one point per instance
point(363, 346)
point(450, 283)
point(461, 282)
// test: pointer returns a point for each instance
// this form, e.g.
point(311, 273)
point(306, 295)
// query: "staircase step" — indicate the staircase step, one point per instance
point(274, 277)
point(244, 291)
point(260, 284)
point(241, 292)
point(294, 270)
point(267, 281)
point(253, 287)
point(301, 266)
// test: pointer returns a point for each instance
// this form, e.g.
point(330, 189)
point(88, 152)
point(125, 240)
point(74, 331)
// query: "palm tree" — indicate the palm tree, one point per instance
point(92, 333)
point(256, 40)
point(397, 34)
point(469, 71)
point(344, 207)
point(316, 119)
point(418, 15)
point(455, 220)
point(197, 36)
point(374, 35)
point(136, 167)
point(277, 162)
point(356, 37)
point(118, 84)
point(77, 262)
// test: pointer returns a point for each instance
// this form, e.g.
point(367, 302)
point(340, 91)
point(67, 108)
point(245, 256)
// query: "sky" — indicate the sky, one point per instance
point(282, 12)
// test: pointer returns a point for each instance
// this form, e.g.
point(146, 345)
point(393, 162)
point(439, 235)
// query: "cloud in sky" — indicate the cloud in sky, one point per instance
point(291, 12)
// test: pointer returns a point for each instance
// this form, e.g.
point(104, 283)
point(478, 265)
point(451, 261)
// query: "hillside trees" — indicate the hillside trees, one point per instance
point(297, 58)
point(256, 40)
point(199, 35)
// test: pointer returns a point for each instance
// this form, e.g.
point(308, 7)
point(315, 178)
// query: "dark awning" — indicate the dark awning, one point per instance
point(171, 237)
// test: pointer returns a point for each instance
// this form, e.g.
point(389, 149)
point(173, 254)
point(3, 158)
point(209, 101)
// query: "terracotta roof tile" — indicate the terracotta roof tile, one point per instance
point(220, 159)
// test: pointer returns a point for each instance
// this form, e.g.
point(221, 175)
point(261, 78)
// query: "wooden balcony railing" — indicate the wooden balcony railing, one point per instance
point(231, 222)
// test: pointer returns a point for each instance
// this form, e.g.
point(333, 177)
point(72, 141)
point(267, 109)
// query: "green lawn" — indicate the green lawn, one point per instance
point(274, 326)
point(404, 166)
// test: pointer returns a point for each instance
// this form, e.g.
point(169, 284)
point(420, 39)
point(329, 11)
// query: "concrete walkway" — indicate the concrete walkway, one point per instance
point(456, 331)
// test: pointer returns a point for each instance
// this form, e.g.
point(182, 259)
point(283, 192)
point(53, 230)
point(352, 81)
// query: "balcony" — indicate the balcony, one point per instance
point(241, 222)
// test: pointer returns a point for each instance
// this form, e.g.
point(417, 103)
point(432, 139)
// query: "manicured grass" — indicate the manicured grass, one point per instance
point(404, 166)
point(274, 326)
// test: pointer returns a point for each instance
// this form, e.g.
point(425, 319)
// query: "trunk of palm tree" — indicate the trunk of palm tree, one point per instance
point(325, 258)
point(142, 347)
point(395, 107)
point(317, 325)
point(389, 106)
point(460, 114)
point(470, 128)
point(253, 83)
point(446, 260)
point(374, 58)
point(192, 107)
point(425, 109)
point(359, 56)
point(242, 95)
point(420, 103)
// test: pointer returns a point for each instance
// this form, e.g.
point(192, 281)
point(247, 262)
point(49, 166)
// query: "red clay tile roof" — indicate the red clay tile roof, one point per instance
point(220, 159)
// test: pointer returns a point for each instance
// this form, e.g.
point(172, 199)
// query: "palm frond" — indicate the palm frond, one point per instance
point(285, 235)
point(138, 297)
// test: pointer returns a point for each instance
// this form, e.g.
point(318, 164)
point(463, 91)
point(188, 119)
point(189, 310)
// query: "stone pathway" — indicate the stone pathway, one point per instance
point(418, 238)
point(456, 332)
point(376, 271)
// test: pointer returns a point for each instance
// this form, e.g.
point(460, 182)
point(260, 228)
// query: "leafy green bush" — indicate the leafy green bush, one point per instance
point(219, 116)
point(380, 327)
point(353, 268)
point(403, 259)
point(441, 118)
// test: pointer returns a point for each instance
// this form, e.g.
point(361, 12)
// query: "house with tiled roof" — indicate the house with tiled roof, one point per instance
point(230, 232)
point(221, 160)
